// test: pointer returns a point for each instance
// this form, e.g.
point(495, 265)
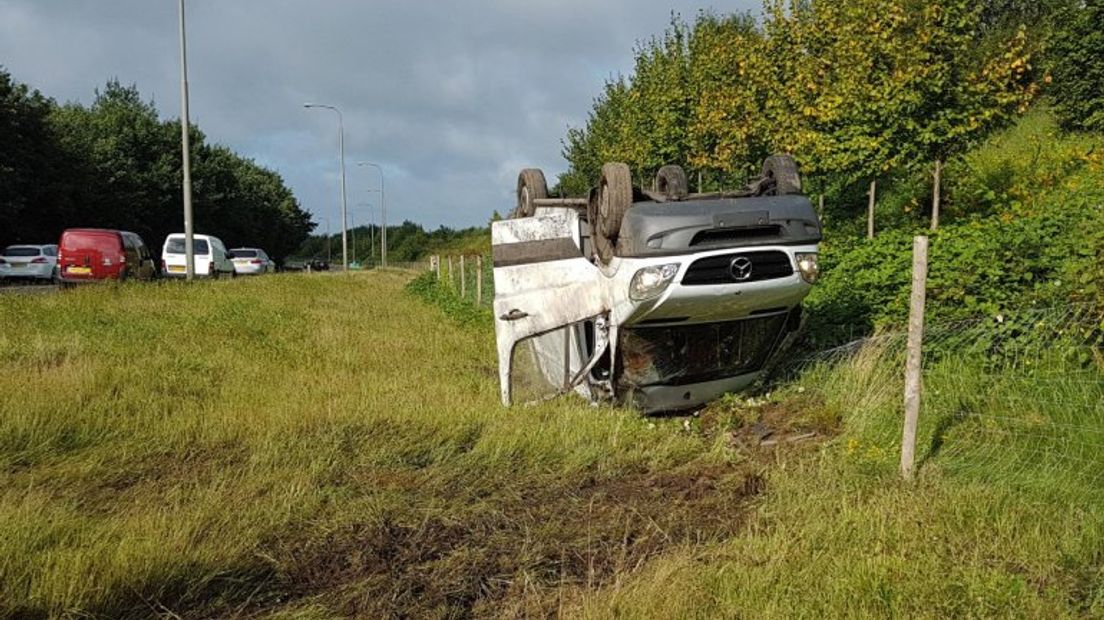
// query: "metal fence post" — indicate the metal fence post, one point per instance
point(463, 277)
point(913, 365)
point(479, 280)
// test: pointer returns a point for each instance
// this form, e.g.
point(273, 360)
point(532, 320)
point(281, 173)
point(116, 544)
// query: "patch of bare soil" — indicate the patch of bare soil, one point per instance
point(515, 553)
point(514, 549)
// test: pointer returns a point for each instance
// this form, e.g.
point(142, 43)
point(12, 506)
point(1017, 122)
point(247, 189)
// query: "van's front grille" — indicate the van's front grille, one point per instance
point(738, 267)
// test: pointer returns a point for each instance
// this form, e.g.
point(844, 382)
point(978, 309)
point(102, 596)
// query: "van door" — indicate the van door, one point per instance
point(546, 291)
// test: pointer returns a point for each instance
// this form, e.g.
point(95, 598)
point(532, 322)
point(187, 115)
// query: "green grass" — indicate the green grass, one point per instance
point(325, 446)
point(312, 446)
point(1004, 520)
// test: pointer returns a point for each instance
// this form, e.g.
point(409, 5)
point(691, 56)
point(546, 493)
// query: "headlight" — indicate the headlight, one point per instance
point(807, 265)
point(650, 282)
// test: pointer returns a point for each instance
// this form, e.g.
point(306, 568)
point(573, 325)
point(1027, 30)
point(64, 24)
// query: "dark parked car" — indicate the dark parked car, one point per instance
point(89, 254)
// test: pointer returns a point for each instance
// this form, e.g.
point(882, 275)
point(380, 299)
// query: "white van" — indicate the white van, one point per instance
point(211, 258)
point(658, 298)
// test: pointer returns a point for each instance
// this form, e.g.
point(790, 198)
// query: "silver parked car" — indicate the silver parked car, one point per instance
point(251, 261)
point(33, 262)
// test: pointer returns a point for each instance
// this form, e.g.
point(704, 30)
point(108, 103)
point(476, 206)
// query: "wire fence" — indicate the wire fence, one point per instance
point(469, 276)
point(1016, 397)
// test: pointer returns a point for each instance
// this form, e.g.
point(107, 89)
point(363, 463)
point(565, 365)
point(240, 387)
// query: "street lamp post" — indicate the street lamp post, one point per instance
point(341, 144)
point(383, 214)
point(186, 147)
point(329, 255)
point(371, 234)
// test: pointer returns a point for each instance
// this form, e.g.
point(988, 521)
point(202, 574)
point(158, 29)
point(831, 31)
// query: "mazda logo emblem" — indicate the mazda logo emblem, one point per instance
point(740, 268)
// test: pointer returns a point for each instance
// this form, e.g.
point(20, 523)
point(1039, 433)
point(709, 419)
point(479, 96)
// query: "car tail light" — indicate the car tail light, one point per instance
point(40, 260)
point(255, 261)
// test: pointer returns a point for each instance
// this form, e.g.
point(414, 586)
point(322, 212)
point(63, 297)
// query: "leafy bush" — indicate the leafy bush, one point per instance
point(1078, 68)
point(1039, 246)
point(459, 309)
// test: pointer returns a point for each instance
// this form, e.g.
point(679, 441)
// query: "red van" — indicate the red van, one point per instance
point(87, 254)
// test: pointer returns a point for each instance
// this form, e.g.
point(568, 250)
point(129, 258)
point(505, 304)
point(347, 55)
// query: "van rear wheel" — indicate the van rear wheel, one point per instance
point(671, 181)
point(530, 186)
point(782, 169)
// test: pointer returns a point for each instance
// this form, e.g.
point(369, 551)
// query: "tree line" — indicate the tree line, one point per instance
point(407, 242)
point(116, 164)
point(855, 89)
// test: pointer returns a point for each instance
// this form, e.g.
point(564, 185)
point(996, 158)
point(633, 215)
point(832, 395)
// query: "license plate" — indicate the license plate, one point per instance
point(79, 270)
point(176, 268)
point(19, 265)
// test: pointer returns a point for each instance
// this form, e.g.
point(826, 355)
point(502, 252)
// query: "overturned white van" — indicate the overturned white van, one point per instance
point(661, 299)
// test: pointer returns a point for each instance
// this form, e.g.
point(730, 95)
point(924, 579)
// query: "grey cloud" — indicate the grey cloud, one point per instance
point(451, 98)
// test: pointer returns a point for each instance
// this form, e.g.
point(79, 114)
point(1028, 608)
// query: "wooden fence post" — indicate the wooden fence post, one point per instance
point(820, 207)
point(437, 266)
point(450, 271)
point(937, 174)
point(913, 362)
point(479, 280)
point(870, 210)
point(463, 277)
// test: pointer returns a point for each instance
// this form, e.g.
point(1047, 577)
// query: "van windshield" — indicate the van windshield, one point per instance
point(176, 246)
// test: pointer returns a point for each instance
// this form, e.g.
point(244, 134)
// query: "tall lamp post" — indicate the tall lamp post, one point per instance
point(371, 234)
point(329, 255)
point(383, 214)
point(186, 147)
point(341, 145)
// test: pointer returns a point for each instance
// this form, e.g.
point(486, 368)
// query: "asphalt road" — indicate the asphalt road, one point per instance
point(27, 289)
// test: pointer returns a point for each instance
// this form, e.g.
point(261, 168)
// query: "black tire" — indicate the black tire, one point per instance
point(600, 245)
point(671, 181)
point(615, 196)
point(530, 186)
point(783, 170)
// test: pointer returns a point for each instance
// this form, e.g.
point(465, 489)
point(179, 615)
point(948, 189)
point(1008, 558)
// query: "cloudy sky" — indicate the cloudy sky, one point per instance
point(450, 98)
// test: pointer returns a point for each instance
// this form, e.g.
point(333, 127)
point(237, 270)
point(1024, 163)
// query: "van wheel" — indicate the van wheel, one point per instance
point(615, 196)
point(600, 245)
point(783, 170)
point(672, 183)
point(530, 186)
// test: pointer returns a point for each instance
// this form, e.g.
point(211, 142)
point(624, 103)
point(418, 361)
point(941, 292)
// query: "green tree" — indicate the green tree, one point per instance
point(35, 172)
point(727, 133)
point(860, 87)
point(1077, 57)
point(603, 138)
